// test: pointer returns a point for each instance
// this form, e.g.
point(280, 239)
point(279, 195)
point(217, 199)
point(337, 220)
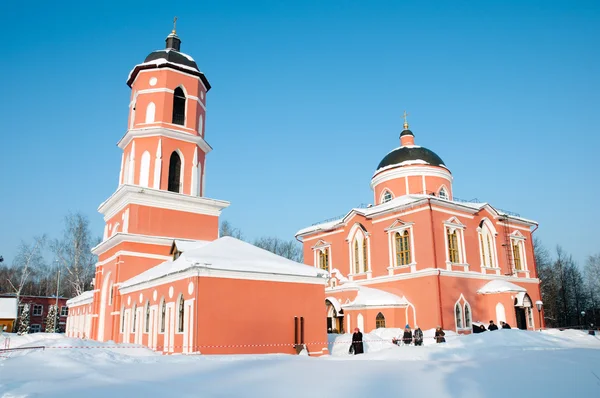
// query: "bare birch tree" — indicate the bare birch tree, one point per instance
point(226, 229)
point(27, 262)
point(74, 253)
point(289, 249)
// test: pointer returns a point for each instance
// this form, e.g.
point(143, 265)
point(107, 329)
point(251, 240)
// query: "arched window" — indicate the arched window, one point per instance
point(126, 170)
point(387, 196)
point(356, 258)
point(379, 321)
point(174, 173)
point(179, 106)
point(402, 248)
point(487, 246)
point(443, 194)
point(468, 316)
point(452, 246)
point(147, 320)
point(111, 294)
point(324, 259)
point(458, 316)
point(134, 317)
point(163, 315)
point(181, 310)
point(200, 125)
point(150, 111)
point(365, 255)
point(145, 169)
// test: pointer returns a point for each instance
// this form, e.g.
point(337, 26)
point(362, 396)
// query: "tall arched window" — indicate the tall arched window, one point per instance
point(179, 106)
point(150, 112)
point(365, 255)
point(402, 248)
point(452, 246)
point(379, 321)
point(126, 170)
point(122, 319)
point(458, 315)
point(181, 310)
point(486, 241)
point(163, 315)
point(147, 320)
point(111, 294)
point(174, 173)
point(356, 258)
point(134, 317)
point(145, 169)
point(468, 316)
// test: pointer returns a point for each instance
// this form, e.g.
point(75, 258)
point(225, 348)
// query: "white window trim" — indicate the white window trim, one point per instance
point(493, 234)
point(353, 236)
point(445, 190)
point(319, 247)
point(34, 308)
point(517, 238)
point(382, 196)
point(400, 226)
point(454, 224)
point(177, 325)
point(462, 306)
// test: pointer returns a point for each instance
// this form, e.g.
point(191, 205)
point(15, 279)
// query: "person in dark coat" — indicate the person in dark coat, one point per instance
point(505, 325)
point(418, 335)
point(492, 326)
point(357, 343)
point(439, 335)
point(478, 328)
point(407, 336)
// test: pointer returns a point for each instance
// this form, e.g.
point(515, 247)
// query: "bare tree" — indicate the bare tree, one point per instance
point(592, 285)
point(226, 229)
point(27, 262)
point(288, 249)
point(74, 253)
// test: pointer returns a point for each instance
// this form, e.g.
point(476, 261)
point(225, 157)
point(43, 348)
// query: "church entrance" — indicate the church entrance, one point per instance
point(523, 312)
point(335, 319)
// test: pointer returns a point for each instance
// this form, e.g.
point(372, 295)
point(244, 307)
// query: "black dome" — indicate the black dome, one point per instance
point(172, 56)
point(407, 153)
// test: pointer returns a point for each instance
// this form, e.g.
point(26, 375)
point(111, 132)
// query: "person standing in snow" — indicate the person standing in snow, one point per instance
point(357, 343)
point(492, 326)
point(439, 335)
point(407, 336)
point(418, 335)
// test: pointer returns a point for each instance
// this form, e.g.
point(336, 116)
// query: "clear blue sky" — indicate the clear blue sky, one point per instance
point(306, 100)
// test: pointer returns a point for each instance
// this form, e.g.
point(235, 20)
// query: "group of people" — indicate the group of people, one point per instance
point(491, 326)
point(408, 337)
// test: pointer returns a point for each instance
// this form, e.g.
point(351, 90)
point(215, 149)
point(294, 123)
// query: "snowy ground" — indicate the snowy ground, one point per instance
point(491, 364)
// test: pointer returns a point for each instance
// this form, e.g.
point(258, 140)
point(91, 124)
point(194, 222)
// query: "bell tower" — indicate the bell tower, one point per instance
point(161, 191)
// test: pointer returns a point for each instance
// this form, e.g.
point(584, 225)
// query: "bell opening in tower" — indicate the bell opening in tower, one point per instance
point(174, 173)
point(179, 106)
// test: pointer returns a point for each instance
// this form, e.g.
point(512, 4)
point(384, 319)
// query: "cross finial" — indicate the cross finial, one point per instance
point(405, 121)
point(174, 26)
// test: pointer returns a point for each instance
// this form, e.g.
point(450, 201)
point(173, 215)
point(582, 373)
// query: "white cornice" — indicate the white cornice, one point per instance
point(201, 272)
point(132, 194)
point(163, 132)
point(406, 171)
point(121, 237)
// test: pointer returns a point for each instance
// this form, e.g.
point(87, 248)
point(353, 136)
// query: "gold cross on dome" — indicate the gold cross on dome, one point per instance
point(405, 121)
point(175, 25)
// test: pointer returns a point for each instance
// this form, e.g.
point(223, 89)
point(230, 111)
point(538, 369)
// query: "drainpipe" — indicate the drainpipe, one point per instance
point(439, 289)
point(542, 321)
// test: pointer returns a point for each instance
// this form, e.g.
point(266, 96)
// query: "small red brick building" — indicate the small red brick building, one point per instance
point(38, 311)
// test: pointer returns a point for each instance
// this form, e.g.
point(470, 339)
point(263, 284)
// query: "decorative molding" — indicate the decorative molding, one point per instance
point(134, 238)
point(163, 132)
point(409, 171)
point(131, 194)
point(133, 254)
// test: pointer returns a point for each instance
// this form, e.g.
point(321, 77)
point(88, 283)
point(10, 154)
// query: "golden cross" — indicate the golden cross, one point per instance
point(174, 25)
point(405, 121)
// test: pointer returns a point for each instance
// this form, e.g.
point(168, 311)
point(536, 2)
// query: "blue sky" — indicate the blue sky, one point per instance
point(307, 98)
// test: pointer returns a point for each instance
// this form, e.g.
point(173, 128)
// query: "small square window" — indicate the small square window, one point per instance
point(64, 311)
point(38, 310)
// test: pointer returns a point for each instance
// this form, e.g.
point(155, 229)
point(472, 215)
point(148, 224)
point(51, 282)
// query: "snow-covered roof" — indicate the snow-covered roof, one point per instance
point(83, 298)
point(336, 273)
point(186, 245)
point(500, 286)
point(8, 308)
point(370, 297)
point(228, 254)
point(398, 202)
point(335, 302)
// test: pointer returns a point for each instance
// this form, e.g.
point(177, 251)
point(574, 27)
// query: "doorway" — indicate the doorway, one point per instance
point(521, 318)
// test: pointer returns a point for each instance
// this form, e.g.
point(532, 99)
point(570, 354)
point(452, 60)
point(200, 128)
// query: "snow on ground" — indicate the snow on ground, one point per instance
point(490, 364)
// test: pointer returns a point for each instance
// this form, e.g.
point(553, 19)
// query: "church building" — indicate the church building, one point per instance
point(419, 256)
point(164, 278)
